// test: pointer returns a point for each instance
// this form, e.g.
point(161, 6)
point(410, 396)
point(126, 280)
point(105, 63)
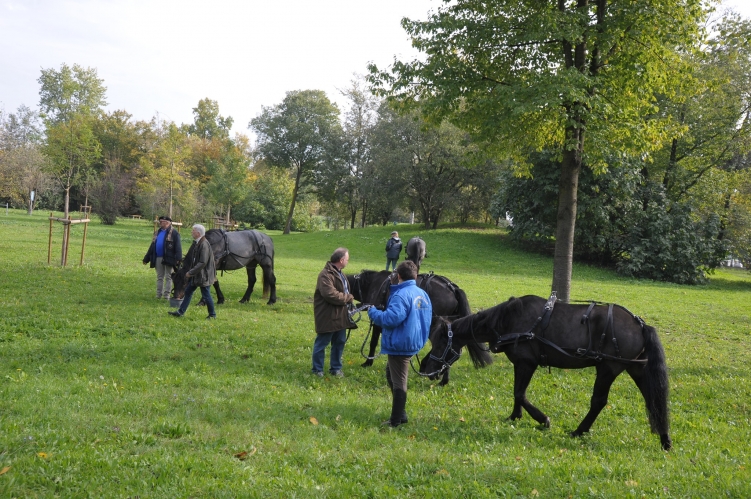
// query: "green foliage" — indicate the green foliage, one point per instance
point(105, 395)
point(671, 245)
point(302, 134)
point(622, 220)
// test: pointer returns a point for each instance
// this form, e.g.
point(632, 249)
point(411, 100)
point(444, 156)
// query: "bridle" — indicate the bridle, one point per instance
point(447, 358)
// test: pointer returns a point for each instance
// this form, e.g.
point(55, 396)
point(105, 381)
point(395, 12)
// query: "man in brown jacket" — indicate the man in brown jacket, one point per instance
point(330, 306)
point(201, 273)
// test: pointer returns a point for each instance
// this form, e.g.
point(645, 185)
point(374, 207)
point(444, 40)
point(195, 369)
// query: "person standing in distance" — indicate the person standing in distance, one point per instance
point(331, 302)
point(164, 254)
point(393, 248)
point(406, 327)
point(201, 273)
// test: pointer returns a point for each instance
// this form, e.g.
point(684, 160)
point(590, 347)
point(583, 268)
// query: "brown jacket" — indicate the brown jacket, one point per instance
point(202, 267)
point(330, 302)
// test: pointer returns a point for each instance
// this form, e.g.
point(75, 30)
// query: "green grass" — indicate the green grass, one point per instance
point(102, 394)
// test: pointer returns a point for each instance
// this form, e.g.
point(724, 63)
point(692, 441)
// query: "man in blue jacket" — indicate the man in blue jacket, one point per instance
point(406, 326)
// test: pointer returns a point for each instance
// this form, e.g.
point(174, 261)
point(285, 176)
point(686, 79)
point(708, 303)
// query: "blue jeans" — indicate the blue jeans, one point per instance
point(337, 340)
point(392, 262)
point(205, 294)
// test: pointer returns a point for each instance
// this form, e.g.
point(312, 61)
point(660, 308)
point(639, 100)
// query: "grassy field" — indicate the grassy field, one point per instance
point(103, 394)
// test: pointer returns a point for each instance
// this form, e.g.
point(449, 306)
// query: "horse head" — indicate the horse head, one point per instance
point(179, 282)
point(443, 352)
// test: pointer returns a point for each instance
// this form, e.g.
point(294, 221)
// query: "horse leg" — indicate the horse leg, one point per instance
point(374, 337)
point(605, 377)
point(269, 281)
point(523, 372)
point(251, 270)
point(219, 294)
point(445, 379)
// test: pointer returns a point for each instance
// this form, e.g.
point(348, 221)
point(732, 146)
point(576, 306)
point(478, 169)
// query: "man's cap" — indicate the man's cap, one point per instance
point(165, 218)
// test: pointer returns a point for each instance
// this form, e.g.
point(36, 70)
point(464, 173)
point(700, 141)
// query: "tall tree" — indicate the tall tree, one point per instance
point(298, 135)
point(22, 176)
point(230, 174)
point(526, 75)
point(69, 99)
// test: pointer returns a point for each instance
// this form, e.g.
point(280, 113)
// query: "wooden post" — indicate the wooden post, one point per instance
point(67, 241)
point(83, 244)
point(49, 245)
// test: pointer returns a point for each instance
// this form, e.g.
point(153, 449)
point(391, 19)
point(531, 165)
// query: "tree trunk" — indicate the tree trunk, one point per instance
point(288, 225)
point(566, 222)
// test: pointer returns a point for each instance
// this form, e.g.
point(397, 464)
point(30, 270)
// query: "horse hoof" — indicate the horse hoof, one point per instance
point(667, 444)
point(271, 302)
point(244, 301)
point(367, 363)
point(546, 423)
point(444, 382)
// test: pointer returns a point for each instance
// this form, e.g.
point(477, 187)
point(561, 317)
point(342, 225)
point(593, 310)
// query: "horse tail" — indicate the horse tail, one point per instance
point(655, 381)
point(462, 309)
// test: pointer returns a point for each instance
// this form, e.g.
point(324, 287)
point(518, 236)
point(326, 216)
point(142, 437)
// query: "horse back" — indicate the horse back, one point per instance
point(568, 329)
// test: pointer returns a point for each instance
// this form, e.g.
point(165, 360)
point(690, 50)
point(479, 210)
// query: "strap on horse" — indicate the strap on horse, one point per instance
point(544, 321)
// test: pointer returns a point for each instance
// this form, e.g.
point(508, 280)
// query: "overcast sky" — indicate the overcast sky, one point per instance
point(163, 56)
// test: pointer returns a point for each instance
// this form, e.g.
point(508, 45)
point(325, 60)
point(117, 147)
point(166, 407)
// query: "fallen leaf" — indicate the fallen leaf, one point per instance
point(242, 456)
point(631, 483)
point(534, 493)
point(442, 472)
point(313, 420)
point(338, 417)
point(518, 458)
point(5, 470)
point(461, 419)
point(43, 455)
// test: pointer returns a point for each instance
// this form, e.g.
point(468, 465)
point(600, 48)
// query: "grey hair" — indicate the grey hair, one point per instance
point(200, 228)
point(338, 254)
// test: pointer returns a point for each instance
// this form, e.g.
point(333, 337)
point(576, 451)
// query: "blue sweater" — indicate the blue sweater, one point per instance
point(406, 320)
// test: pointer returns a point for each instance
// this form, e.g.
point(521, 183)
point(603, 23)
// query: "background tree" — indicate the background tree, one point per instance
point(22, 163)
point(229, 175)
point(528, 75)
point(69, 99)
point(297, 135)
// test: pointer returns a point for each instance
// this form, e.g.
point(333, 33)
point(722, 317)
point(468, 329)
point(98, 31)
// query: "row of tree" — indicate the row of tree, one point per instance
point(310, 163)
point(614, 128)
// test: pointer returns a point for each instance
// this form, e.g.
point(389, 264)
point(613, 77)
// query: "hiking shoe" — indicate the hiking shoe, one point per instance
point(211, 317)
point(175, 313)
point(318, 373)
point(338, 374)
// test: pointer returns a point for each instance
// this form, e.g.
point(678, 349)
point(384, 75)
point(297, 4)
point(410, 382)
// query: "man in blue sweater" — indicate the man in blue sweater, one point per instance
point(406, 326)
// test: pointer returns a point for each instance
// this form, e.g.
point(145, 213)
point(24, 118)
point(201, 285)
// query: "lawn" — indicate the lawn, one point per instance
point(103, 394)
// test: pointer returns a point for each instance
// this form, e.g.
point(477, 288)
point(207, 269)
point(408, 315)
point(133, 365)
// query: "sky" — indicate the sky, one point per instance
point(160, 57)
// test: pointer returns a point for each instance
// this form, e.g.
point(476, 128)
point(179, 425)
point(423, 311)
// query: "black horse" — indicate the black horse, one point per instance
point(372, 287)
point(232, 251)
point(415, 250)
point(533, 332)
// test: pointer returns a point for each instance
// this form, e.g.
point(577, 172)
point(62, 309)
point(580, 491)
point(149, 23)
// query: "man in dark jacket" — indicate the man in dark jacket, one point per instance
point(330, 306)
point(393, 248)
point(406, 326)
point(164, 254)
point(201, 273)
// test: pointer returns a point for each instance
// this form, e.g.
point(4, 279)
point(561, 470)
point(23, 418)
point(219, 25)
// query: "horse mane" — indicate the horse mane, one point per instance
point(478, 352)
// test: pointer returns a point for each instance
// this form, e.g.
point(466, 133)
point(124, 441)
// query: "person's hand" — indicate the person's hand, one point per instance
point(380, 307)
point(187, 274)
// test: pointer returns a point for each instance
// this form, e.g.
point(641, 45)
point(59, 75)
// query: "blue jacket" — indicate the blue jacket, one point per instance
point(406, 320)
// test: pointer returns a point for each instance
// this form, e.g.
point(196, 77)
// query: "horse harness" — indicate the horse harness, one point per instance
point(542, 323)
point(260, 244)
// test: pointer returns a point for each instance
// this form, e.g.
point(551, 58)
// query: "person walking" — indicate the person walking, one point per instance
point(331, 302)
point(201, 273)
point(393, 248)
point(164, 254)
point(406, 326)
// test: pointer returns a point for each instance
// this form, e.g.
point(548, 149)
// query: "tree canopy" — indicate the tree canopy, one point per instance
point(529, 75)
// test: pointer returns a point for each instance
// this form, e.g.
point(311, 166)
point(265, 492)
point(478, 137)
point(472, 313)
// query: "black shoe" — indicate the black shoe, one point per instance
point(211, 317)
point(389, 424)
point(175, 313)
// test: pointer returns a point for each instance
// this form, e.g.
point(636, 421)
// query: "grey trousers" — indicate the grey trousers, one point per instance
point(163, 279)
